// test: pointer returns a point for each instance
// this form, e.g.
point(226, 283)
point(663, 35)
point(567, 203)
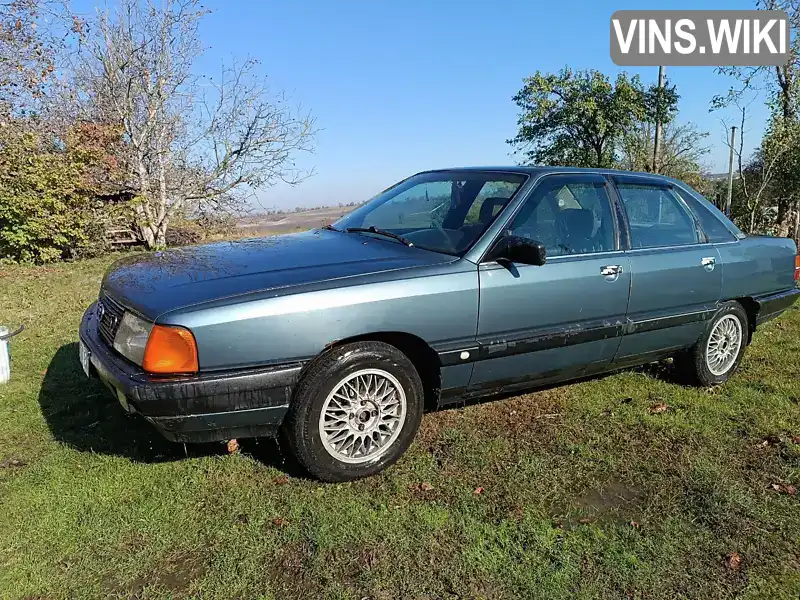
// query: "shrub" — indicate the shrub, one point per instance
point(48, 210)
point(183, 236)
point(42, 215)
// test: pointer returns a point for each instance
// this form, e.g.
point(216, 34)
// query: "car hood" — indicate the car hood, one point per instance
point(155, 283)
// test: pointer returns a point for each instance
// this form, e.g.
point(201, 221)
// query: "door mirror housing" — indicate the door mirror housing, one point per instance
point(514, 248)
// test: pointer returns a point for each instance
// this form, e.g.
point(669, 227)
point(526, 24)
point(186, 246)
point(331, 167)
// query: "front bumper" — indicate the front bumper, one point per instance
point(197, 408)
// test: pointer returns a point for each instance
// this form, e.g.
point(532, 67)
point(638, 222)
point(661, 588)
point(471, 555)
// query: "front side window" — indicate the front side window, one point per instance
point(569, 216)
point(656, 217)
point(444, 211)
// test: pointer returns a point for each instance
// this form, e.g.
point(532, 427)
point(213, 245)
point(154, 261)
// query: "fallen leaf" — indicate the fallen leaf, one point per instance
point(585, 520)
point(12, 462)
point(762, 444)
point(282, 480)
point(659, 408)
point(233, 446)
point(785, 488)
point(478, 490)
point(796, 439)
point(733, 561)
point(635, 525)
point(278, 522)
point(425, 486)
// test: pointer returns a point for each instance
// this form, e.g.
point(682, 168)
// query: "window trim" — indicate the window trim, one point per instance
point(570, 177)
point(645, 181)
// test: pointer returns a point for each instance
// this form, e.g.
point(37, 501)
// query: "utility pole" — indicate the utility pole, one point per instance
point(730, 173)
point(657, 141)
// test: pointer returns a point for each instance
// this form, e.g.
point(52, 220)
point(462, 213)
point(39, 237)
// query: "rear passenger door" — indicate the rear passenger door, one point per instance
point(676, 275)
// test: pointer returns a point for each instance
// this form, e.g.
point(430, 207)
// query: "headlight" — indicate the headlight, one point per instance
point(131, 338)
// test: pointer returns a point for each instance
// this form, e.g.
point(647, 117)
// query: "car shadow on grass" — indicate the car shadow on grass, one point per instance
point(82, 414)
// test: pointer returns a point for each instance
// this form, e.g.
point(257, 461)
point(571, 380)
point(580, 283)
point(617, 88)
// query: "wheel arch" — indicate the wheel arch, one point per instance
point(751, 308)
point(424, 358)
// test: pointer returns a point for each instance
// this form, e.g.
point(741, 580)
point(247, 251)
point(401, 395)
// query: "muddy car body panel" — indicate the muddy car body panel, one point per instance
point(637, 268)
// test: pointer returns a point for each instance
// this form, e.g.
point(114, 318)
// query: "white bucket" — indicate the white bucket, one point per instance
point(5, 356)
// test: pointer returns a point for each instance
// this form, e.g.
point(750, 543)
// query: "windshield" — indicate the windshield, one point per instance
point(445, 211)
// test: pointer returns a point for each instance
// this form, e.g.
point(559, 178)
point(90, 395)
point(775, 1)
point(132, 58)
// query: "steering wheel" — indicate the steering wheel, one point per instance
point(447, 243)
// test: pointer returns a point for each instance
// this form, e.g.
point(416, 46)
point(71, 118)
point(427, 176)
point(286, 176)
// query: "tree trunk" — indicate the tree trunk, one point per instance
point(782, 224)
point(161, 233)
point(753, 220)
point(142, 224)
point(797, 223)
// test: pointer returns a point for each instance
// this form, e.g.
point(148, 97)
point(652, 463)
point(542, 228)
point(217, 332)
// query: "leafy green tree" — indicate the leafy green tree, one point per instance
point(580, 118)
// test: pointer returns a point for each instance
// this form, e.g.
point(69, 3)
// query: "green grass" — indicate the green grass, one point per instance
point(95, 505)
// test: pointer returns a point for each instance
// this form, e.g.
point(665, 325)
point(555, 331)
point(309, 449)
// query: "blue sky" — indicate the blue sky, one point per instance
point(399, 86)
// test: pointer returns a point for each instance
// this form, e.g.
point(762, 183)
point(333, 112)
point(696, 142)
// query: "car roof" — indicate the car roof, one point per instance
point(541, 170)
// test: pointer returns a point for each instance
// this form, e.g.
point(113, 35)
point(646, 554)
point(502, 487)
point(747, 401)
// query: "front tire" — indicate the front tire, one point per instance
point(355, 411)
point(718, 352)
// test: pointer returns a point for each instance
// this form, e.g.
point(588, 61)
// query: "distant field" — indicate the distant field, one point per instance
point(295, 221)
point(628, 486)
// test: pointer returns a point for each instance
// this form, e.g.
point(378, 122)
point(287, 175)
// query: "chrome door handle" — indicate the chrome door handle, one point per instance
point(610, 271)
point(708, 263)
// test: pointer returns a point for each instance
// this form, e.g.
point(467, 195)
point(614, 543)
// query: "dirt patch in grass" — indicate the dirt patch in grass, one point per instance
point(292, 574)
point(12, 463)
point(611, 496)
point(172, 577)
point(532, 416)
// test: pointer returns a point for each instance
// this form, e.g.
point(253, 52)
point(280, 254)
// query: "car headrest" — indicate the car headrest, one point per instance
point(488, 208)
point(578, 222)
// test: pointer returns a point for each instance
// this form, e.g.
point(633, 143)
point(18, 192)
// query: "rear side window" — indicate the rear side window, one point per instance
point(656, 217)
point(714, 229)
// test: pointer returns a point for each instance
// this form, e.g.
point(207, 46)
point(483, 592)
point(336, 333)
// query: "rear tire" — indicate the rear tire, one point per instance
point(355, 411)
point(718, 352)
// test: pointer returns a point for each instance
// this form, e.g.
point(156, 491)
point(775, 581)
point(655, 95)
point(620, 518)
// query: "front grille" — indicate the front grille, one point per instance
point(110, 317)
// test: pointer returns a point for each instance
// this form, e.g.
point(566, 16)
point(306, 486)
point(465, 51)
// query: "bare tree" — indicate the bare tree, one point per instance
point(192, 141)
point(757, 174)
point(35, 37)
point(682, 150)
point(780, 84)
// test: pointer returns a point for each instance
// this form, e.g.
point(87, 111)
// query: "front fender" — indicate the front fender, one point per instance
point(439, 308)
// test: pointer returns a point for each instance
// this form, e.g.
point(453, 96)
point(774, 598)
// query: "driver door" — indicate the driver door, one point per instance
point(562, 319)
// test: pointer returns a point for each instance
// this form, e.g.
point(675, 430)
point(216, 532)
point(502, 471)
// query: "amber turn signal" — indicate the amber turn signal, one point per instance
point(797, 267)
point(170, 350)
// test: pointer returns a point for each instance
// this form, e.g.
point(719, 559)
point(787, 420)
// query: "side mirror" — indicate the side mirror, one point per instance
point(514, 248)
